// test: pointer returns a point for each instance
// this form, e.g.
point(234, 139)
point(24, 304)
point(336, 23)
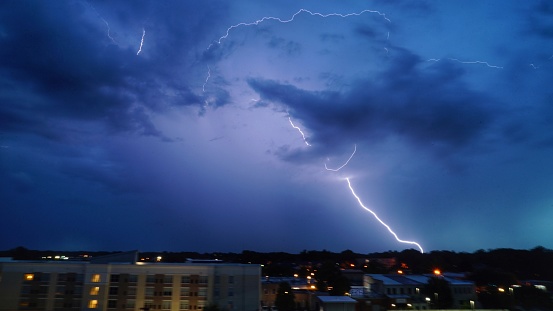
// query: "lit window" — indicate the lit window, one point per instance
point(184, 305)
point(29, 277)
point(93, 304)
point(185, 291)
point(202, 292)
point(94, 291)
point(95, 278)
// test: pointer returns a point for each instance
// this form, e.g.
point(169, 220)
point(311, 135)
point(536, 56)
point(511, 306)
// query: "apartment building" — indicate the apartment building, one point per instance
point(116, 284)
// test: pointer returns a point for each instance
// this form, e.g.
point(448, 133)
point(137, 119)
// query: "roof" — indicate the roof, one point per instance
point(336, 299)
point(453, 281)
point(399, 296)
point(413, 279)
point(385, 279)
point(405, 280)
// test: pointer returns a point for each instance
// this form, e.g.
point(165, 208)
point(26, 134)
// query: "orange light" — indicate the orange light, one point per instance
point(399, 272)
point(437, 272)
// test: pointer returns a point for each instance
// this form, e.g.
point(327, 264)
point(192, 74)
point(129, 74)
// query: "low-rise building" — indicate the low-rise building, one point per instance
point(336, 303)
point(406, 291)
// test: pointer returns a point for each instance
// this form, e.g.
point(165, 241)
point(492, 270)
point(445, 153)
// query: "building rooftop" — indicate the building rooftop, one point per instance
point(414, 279)
point(336, 299)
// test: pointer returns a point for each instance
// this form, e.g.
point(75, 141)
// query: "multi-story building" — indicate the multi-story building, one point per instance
point(302, 288)
point(116, 284)
point(408, 290)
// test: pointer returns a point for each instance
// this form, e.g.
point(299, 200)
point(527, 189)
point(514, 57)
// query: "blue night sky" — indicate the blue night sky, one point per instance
point(177, 125)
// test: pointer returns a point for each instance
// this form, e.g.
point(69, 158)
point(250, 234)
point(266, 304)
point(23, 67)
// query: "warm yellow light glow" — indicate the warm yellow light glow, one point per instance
point(93, 304)
point(158, 258)
point(313, 287)
point(295, 275)
point(399, 272)
point(501, 289)
point(29, 276)
point(95, 278)
point(437, 272)
point(351, 265)
point(94, 291)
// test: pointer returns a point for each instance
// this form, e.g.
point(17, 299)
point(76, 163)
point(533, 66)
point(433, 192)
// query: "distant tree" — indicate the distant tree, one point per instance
point(321, 285)
point(530, 297)
point(493, 277)
point(285, 298)
point(212, 307)
point(340, 286)
point(326, 274)
point(440, 293)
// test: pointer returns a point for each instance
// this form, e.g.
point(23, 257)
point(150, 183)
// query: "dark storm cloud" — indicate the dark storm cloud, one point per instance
point(58, 63)
point(540, 19)
point(430, 107)
point(288, 47)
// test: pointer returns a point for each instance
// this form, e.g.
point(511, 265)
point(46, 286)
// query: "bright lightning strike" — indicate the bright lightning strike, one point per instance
point(466, 62)
point(299, 130)
point(382, 222)
point(339, 168)
point(141, 41)
point(266, 18)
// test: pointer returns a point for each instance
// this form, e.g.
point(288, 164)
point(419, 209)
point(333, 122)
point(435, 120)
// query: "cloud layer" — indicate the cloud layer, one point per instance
point(189, 144)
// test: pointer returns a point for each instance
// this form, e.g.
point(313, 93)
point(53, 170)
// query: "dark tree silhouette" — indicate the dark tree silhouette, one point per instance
point(439, 291)
point(285, 298)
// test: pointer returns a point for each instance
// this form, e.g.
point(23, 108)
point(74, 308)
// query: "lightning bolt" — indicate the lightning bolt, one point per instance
point(207, 78)
point(141, 41)
point(109, 36)
point(339, 168)
point(299, 130)
point(466, 62)
point(267, 18)
point(380, 220)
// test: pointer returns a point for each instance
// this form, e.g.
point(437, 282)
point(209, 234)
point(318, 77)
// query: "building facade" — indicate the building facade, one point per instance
point(128, 286)
point(408, 291)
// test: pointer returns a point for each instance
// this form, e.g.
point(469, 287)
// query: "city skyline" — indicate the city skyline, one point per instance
point(280, 126)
